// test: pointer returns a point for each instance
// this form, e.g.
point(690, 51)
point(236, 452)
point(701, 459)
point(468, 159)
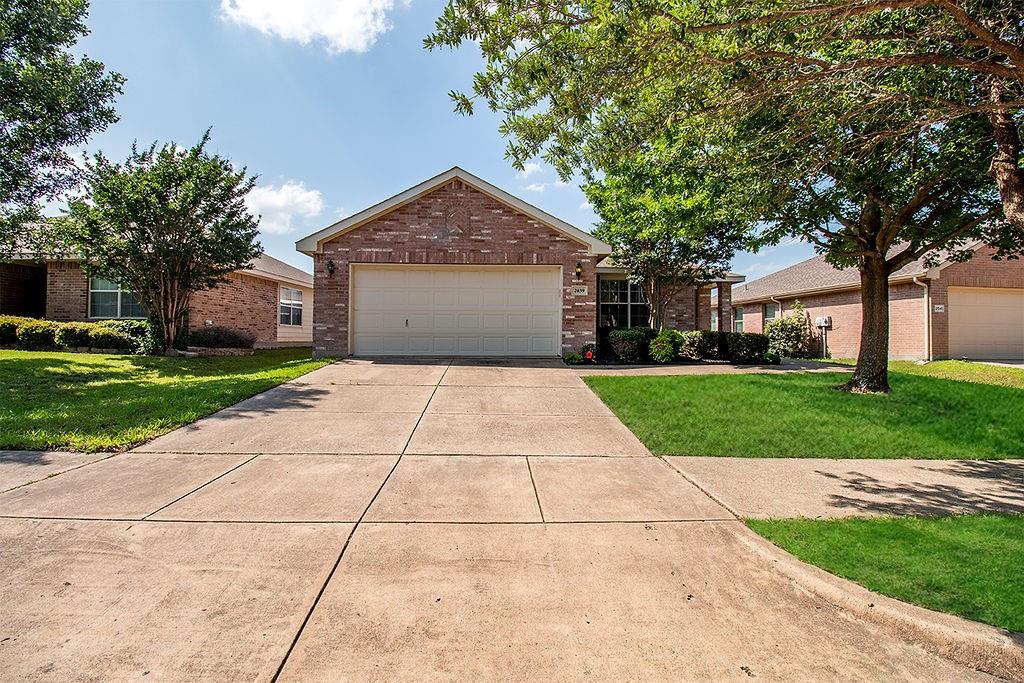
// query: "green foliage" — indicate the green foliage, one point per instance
point(140, 331)
point(165, 223)
point(630, 345)
point(50, 102)
point(668, 220)
point(704, 345)
point(110, 339)
point(73, 335)
point(589, 352)
point(572, 358)
point(790, 335)
point(772, 358)
point(664, 348)
point(746, 347)
point(9, 329)
point(36, 334)
point(218, 337)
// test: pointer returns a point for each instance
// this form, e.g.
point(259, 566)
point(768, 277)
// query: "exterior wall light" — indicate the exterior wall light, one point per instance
point(330, 267)
point(579, 270)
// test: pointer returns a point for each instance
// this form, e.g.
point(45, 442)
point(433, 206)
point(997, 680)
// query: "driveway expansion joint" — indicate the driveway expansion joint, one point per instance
point(164, 507)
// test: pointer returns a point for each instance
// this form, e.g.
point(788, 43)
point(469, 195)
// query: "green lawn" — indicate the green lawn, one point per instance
point(96, 402)
point(968, 565)
point(947, 409)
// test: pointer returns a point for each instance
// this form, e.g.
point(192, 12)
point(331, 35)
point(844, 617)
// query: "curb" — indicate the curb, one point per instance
point(978, 646)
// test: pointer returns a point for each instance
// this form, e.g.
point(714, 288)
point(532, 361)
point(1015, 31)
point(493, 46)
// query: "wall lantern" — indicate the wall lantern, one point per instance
point(579, 270)
point(330, 266)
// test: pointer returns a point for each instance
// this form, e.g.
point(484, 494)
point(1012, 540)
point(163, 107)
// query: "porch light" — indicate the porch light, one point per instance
point(579, 270)
point(330, 266)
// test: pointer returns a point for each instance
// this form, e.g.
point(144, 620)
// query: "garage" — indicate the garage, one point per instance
point(457, 310)
point(986, 323)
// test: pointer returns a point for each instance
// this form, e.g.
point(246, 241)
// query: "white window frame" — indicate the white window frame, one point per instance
point(737, 319)
point(291, 297)
point(629, 302)
point(120, 292)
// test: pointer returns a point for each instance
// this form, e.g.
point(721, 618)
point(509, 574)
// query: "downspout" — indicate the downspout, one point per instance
point(778, 313)
point(927, 318)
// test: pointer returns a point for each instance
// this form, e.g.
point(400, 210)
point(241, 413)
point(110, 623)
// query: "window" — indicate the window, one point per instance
point(714, 319)
point(108, 300)
point(737, 319)
point(771, 311)
point(291, 306)
point(622, 304)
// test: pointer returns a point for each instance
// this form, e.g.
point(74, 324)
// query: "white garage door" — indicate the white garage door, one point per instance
point(986, 323)
point(456, 310)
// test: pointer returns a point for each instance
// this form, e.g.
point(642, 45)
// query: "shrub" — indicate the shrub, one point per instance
point(105, 337)
point(9, 329)
point(790, 336)
point(746, 347)
point(572, 358)
point(141, 332)
point(73, 335)
point(772, 358)
point(630, 345)
point(217, 337)
point(36, 334)
point(664, 348)
point(706, 345)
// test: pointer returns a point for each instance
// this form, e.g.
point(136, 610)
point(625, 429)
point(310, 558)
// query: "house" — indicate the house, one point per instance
point(969, 310)
point(457, 266)
point(270, 299)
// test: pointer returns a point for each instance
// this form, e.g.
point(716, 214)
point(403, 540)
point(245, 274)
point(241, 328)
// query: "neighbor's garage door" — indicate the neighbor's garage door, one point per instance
point(456, 310)
point(986, 323)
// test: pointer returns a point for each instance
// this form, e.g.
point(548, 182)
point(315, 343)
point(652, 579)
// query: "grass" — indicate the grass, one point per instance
point(968, 565)
point(941, 410)
point(98, 402)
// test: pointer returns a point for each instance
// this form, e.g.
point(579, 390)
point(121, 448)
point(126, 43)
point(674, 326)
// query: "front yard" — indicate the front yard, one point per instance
point(96, 402)
point(945, 409)
point(968, 565)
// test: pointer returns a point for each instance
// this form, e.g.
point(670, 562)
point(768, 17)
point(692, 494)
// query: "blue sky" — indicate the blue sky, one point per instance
point(334, 104)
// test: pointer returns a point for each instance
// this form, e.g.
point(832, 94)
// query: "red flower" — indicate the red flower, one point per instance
point(589, 355)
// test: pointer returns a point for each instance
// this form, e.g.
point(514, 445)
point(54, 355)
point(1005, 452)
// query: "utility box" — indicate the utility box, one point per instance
point(824, 321)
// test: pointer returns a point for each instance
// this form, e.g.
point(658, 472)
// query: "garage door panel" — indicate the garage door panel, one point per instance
point(469, 310)
point(986, 323)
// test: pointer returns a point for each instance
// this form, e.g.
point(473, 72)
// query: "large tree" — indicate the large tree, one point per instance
point(860, 165)
point(49, 101)
point(665, 216)
point(165, 223)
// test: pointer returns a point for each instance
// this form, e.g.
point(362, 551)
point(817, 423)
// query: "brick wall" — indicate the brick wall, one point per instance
point(67, 291)
point(681, 311)
point(453, 224)
point(245, 303)
point(22, 289)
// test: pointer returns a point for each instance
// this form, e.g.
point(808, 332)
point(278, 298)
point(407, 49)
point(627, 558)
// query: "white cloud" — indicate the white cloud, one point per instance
point(279, 204)
point(529, 169)
point(535, 187)
point(342, 25)
point(587, 206)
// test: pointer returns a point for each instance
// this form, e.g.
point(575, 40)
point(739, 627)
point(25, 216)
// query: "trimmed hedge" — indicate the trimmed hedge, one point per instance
point(32, 334)
point(746, 347)
point(665, 347)
point(630, 345)
point(705, 345)
point(217, 337)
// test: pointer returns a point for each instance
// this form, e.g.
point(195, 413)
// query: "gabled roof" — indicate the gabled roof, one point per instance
point(271, 268)
point(815, 275)
point(313, 243)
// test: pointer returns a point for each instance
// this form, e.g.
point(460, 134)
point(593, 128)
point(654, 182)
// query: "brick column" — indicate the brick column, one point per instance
point(724, 306)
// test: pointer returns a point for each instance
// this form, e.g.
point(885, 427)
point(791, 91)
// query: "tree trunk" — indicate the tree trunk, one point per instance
point(1005, 166)
point(872, 372)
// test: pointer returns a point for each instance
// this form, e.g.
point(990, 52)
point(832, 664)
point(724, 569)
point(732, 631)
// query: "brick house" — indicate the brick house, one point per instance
point(270, 299)
point(457, 266)
point(969, 310)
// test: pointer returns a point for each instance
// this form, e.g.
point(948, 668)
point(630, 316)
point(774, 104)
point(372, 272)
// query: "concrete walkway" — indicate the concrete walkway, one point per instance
point(436, 520)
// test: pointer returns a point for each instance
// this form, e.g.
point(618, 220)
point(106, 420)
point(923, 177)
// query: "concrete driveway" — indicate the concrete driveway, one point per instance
point(434, 520)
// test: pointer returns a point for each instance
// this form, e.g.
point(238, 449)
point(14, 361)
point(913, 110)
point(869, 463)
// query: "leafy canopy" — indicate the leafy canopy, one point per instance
point(165, 223)
point(49, 101)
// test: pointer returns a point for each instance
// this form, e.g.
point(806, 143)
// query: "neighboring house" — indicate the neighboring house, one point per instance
point(969, 310)
point(457, 266)
point(271, 299)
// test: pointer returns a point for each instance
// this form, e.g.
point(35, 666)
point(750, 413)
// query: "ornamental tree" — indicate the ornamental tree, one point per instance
point(853, 153)
point(165, 223)
point(666, 220)
point(49, 101)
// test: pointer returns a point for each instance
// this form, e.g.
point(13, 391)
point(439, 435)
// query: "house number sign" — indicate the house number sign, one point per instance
point(579, 290)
